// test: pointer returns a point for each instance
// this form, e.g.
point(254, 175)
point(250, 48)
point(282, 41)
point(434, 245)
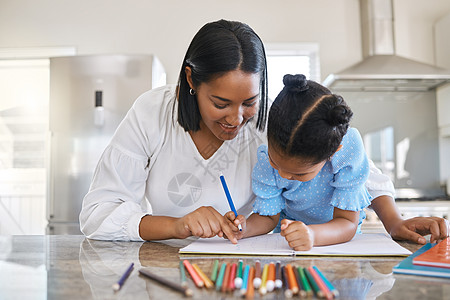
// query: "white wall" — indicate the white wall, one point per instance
point(165, 28)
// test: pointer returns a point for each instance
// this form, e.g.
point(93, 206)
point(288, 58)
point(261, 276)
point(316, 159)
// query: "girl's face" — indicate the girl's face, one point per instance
point(228, 102)
point(293, 168)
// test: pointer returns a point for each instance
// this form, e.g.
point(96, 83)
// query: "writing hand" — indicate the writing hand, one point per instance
point(234, 222)
point(299, 236)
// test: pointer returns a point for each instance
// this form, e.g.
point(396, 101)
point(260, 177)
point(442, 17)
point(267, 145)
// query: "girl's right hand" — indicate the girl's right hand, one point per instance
point(204, 222)
point(234, 222)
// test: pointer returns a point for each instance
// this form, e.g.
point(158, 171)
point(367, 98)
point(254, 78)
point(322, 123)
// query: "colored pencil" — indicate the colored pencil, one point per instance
point(322, 286)
point(313, 283)
point(291, 279)
point(238, 279)
point(118, 285)
point(257, 280)
point(301, 288)
point(305, 283)
point(228, 195)
point(287, 291)
point(263, 287)
point(208, 283)
point(183, 277)
point(250, 289)
point(245, 280)
point(215, 270)
point(219, 280)
point(270, 285)
point(327, 282)
point(175, 286)
point(232, 277)
point(195, 277)
point(226, 278)
point(278, 281)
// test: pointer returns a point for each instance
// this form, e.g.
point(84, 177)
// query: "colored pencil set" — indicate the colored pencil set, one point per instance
point(263, 279)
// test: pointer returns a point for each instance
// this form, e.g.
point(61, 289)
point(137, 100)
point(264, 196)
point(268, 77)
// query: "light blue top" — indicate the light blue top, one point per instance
point(339, 184)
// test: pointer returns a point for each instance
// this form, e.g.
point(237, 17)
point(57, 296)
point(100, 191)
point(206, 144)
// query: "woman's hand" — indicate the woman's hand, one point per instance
point(204, 222)
point(413, 229)
point(297, 234)
point(234, 222)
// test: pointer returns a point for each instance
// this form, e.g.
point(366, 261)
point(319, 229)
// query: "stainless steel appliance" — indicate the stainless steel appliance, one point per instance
point(89, 96)
point(394, 101)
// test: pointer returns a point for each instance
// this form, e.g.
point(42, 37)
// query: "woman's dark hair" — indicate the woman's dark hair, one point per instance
point(217, 48)
point(306, 120)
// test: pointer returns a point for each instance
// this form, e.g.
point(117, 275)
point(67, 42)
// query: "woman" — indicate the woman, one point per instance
point(175, 140)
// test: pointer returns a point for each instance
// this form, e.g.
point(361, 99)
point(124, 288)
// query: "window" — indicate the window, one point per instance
point(291, 58)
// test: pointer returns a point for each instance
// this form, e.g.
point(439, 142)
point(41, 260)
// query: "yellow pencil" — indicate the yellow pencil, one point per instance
point(206, 280)
point(263, 288)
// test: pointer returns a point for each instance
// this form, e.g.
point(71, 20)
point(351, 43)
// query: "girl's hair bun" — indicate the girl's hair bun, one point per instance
point(295, 83)
point(339, 114)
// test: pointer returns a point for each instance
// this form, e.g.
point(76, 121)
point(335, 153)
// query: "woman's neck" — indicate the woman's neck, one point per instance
point(206, 142)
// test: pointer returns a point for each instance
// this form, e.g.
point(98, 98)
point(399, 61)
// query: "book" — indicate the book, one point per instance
point(406, 266)
point(437, 256)
point(373, 244)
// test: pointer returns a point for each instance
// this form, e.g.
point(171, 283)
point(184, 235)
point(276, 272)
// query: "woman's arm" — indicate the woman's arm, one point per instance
point(410, 229)
point(203, 222)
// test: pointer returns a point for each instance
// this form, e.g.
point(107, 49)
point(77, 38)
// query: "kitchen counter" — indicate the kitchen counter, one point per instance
point(73, 267)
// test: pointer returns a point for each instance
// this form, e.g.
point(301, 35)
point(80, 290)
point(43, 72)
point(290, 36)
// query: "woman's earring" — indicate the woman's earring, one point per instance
point(192, 92)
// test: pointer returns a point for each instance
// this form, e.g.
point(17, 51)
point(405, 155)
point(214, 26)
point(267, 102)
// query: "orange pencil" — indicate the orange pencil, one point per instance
point(293, 286)
point(208, 283)
point(250, 289)
point(322, 286)
point(270, 285)
point(195, 277)
point(232, 276)
point(226, 278)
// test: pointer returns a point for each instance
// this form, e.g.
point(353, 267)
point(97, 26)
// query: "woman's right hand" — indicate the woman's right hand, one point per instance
point(204, 222)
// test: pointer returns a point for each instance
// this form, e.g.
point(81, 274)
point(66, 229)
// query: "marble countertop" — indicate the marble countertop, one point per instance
point(73, 267)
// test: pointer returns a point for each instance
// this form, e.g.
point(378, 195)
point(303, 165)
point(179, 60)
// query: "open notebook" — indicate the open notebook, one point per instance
point(373, 244)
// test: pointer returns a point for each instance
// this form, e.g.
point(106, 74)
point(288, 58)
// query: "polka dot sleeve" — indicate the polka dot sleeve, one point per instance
point(269, 200)
point(351, 170)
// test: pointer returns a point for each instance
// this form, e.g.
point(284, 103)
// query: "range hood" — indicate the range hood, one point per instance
point(381, 69)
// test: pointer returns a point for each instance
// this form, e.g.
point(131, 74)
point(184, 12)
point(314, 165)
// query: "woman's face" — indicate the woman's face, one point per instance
point(293, 168)
point(228, 102)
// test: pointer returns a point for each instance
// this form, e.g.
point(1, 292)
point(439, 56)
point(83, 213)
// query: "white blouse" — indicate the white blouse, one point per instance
point(152, 166)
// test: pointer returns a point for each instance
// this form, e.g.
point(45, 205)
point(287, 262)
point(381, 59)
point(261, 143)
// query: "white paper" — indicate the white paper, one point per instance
point(369, 244)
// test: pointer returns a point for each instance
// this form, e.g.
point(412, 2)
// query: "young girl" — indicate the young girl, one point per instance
point(312, 173)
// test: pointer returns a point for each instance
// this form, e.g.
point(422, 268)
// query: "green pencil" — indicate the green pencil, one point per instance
point(305, 283)
point(183, 275)
point(219, 280)
point(238, 279)
point(214, 270)
point(313, 283)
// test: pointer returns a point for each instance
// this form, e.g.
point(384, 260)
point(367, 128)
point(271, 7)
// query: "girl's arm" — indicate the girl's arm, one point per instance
point(340, 229)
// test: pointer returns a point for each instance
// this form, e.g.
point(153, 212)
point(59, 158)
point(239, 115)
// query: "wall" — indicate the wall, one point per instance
point(165, 28)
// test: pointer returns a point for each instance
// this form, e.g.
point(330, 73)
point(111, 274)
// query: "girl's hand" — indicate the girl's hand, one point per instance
point(204, 222)
point(234, 222)
point(413, 229)
point(297, 234)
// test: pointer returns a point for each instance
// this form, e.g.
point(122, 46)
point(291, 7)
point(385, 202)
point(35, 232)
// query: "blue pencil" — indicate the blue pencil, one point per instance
point(245, 280)
point(118, 285)
point(230, 201)
point(332, 289)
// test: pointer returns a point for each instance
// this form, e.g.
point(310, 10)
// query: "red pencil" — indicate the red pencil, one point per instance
point(232, 276)
point(195, 277)
point(322, 286)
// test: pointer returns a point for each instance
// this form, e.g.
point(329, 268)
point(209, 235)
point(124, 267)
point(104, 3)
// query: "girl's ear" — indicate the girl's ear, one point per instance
point(188, 72)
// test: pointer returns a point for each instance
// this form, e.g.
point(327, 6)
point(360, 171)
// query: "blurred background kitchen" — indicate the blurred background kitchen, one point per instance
point(70, 70)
